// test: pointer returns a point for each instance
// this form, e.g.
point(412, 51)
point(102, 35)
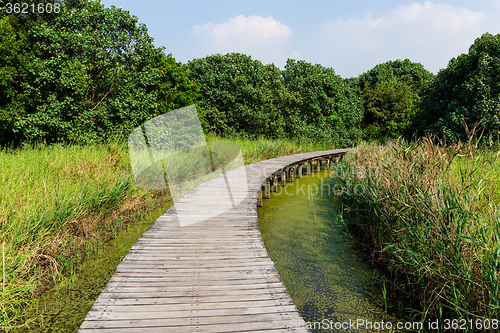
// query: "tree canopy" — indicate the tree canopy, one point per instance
point(83, 74)
point(88, 73)
point(326, 107)
point(243, 97)
point(391, 93)
point(467, 92)
point(239, 96)
point(412, 73)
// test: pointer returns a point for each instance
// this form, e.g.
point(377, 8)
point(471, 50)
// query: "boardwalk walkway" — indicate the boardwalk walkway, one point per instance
point(211, 275)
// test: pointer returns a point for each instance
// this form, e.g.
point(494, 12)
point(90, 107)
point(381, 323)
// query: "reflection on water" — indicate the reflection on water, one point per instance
point(64, 310)
point(327, 280)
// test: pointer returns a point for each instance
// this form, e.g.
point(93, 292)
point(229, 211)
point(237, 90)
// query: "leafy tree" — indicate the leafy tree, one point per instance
point(389, 107)
point(243, 97)
point(412, 73)
point(391, 92)
point(465, 92)
point(11, 43)
point(90, 72)
point(240, 96)
point(326, 107)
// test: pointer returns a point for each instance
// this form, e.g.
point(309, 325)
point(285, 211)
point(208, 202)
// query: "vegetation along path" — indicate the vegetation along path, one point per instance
point(197, 274)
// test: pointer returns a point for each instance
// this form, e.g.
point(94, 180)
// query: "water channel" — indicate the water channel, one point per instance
point(329, 282)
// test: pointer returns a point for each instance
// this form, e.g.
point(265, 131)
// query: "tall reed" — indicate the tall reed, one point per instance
point(429, 213)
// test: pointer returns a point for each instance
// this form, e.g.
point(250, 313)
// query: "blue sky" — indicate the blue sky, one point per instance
point(349, 36)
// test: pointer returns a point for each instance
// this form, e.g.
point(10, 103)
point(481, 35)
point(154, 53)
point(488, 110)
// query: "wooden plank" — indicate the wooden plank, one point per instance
point(196, 299)
point(176, 314)
point(230, 323)
point(198, 306)
point(223, 287)
point(184, 296)
point(203, 282)
point(213, 273)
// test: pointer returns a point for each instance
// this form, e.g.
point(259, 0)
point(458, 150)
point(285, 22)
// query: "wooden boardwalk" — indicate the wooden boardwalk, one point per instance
point(190, 273)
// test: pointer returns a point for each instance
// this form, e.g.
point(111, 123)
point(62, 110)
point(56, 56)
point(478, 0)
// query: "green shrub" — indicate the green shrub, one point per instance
point(467, 91)
point(412, 73)
point(391, 92)
point(84, 74)
point(325, 108)
point(389, 107)
point(240, 96)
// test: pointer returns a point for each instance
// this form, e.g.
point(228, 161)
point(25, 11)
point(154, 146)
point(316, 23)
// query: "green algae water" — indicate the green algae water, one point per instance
point(64, 309)
point(329, 282)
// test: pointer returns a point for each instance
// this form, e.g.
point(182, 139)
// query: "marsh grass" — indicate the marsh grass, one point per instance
point(429, 215)
point(262, 149)
point(60, 204)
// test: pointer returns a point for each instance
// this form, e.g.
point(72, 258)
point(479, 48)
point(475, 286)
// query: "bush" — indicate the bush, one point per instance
point(240, 96)
point(467, 91)
point(325, 108)
point(391, 92)
point(84, 74)
point(11, 42)
point(389, 107)
point(412, 73)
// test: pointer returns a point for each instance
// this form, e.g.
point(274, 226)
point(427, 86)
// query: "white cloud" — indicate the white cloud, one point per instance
point(264, 39)
point(429, 33)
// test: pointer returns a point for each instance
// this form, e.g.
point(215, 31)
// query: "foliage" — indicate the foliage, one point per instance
point(11, 43)
point(59, 204)
point(243, 97)
point(412, 73)
point(467, 91)
point(86, 73)
point(391, 92)
point(388, 108)
point(425, 213)
point(326, 108)
point(240, 96)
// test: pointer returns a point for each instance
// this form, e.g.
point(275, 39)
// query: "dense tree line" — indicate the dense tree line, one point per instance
point(89, 73)
point(82, 75)
point(465, 93)
point(401, 97)
point(241, 96)
point(391, 95)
